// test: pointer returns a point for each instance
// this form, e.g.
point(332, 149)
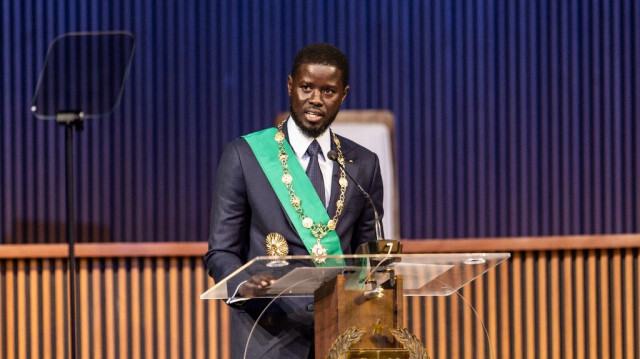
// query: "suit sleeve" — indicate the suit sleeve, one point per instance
point(365, 230)
point(230, 217)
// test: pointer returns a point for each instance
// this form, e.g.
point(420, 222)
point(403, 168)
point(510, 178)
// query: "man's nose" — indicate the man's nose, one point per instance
point(315, 97)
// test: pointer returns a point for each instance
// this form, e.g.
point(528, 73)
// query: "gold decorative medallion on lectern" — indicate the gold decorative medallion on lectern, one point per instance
point(413, 348)
point(276, 247)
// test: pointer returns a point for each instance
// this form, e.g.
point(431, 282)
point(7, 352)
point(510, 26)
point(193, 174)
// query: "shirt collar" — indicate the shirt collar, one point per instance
point(300, 142)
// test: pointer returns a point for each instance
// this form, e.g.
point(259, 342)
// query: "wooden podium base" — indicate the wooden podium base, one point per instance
point(359, 327)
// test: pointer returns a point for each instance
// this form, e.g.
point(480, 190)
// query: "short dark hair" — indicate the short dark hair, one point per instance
point(322, 53)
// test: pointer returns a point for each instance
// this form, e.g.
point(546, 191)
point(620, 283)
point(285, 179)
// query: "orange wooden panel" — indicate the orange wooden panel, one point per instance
point(34, 305)
point(481, 336)
point(83, 308)
point(469, 321)
point(135, 309)
point(213, 328)
point(110, 322)
point(580, 306)
point(492, 315)
point(223, 330)
point(22, 310)
point(173, 308)
point(554, 306)
point(149, 298)
point(604, 305)
point(430, 318)
point(61, 318)
point(443, 331)
point(530, 305)
point(505, 322)
point(47, 297)
point(517, 264)
point(160, 316)
point(567, 315)
point(187, 338)
point(541, 310)
point(96, 312)
point(123, 313)
point(11, 297)
point(616, 310)
point(3, 309)
point(637, 334)
point(199, 305)
point(629, 300)
point(593, 309)
point(454, 327)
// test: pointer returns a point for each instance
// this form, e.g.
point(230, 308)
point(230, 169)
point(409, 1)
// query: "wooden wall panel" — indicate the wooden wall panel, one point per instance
point(546, 304)
point(580, 303)
point(127, 308)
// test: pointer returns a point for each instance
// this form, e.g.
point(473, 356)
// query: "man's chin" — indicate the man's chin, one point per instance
point(312, 129)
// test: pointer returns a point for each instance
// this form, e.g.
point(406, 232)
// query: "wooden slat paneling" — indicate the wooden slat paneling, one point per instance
point(557, 303)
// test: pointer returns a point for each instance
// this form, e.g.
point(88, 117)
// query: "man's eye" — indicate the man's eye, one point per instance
point(305, 87)
point(329, 91)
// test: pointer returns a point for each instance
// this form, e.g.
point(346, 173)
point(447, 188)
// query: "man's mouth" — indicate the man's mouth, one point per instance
point(313, 115)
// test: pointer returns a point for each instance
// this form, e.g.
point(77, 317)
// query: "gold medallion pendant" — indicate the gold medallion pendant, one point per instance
point(319, 252)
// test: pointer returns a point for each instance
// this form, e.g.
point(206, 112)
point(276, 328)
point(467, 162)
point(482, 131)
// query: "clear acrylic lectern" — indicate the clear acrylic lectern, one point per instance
point(359, 294)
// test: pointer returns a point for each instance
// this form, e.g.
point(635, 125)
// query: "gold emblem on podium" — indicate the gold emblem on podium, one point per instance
point(277, 248)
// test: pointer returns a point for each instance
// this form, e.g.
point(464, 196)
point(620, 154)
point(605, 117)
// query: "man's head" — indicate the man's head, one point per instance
point(317, 85)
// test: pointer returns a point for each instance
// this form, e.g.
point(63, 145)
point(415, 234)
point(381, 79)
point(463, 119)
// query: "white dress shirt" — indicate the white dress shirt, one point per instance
point(300, 142)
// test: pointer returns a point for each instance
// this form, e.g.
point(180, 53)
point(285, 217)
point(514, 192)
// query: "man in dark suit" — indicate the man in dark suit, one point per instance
point(262, 186)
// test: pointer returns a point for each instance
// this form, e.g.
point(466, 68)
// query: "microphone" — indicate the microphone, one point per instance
point(333, 156)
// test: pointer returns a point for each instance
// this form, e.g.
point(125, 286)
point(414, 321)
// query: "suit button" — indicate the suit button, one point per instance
point(310, 307)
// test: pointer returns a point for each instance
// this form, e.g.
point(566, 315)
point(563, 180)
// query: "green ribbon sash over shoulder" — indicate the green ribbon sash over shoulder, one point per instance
point(265, 148)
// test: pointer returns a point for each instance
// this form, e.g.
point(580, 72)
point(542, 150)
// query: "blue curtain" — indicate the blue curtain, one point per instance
point(513, 118)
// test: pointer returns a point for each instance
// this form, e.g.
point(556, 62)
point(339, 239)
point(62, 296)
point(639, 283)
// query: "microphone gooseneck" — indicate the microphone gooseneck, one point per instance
point(333, 155)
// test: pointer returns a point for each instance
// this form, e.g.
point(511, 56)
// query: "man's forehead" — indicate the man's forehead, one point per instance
point(316, 67)
point(309, 70)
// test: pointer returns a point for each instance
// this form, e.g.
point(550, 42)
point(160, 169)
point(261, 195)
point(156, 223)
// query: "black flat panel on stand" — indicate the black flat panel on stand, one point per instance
point(82, 78)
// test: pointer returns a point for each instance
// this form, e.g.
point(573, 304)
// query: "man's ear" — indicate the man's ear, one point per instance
point(289, 84)
point(346, 91)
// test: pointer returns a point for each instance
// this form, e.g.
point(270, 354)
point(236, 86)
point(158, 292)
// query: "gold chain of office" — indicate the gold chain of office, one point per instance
point(318, 229)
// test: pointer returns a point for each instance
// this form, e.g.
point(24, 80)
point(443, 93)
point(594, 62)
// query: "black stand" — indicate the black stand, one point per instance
point(71, 121)
point(70, 94)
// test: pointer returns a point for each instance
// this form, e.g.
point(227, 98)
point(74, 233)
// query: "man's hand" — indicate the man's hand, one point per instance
point(256, 285)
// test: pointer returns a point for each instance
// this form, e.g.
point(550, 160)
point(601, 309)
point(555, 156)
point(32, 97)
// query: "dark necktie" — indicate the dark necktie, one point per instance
point(313, 169)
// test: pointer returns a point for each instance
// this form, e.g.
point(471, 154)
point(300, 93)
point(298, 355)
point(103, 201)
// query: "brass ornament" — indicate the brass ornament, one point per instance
point(342, 344)
point(318, 251)
point(411, 343)
point(287, 179)
point(276, 245)
point(331, 224)
point(307, 222)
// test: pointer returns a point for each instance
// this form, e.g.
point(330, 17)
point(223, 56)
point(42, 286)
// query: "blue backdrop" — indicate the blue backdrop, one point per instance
point(514, 118)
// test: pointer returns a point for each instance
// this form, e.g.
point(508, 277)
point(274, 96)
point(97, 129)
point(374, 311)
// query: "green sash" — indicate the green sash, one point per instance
point(265, 148)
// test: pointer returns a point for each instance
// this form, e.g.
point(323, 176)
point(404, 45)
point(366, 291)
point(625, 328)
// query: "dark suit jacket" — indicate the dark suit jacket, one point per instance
point(245, 209)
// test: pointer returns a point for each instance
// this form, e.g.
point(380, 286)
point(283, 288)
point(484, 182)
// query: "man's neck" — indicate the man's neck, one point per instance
point(300, 141)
